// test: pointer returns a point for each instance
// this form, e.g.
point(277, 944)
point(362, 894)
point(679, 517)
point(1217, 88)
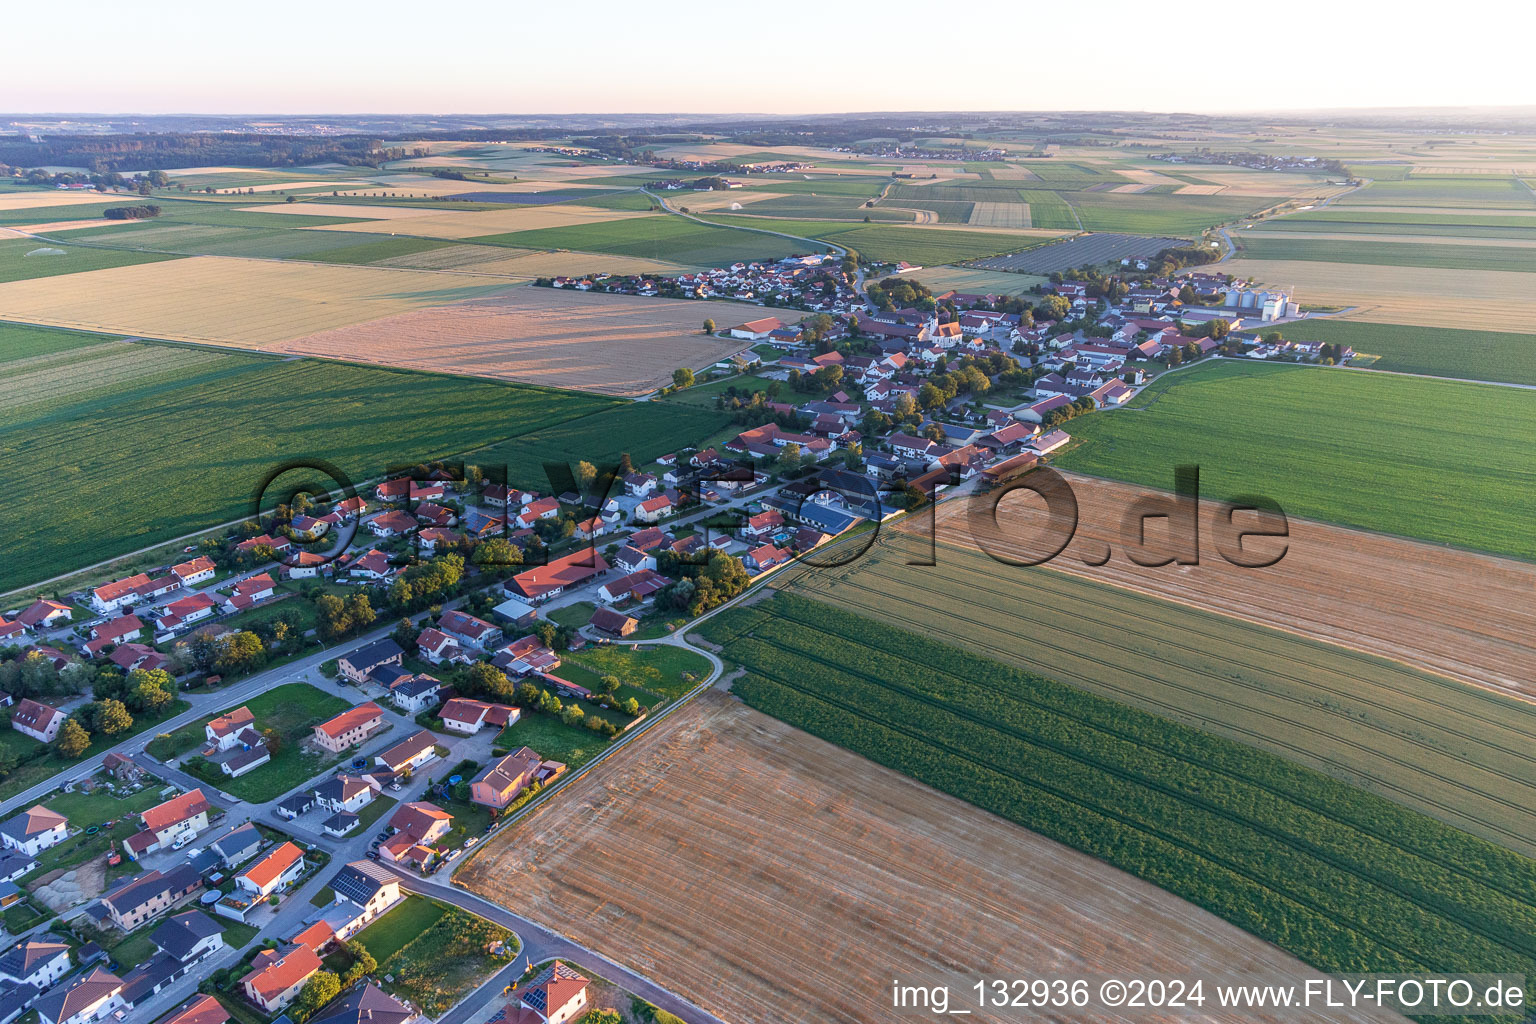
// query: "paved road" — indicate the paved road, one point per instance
point(539, 944)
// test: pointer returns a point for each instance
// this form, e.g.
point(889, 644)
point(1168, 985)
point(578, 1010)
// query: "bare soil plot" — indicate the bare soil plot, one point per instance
point(225, 301)
point(754, 868)
point(1422, 296)
point(1408, 601)
point(613, 344)
point(494, 222)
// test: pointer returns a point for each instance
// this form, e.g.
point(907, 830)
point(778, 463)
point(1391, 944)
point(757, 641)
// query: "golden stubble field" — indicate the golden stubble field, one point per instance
point(225, 301)
point(1491, 300)
point(613, 344)
point(1459, 614)
point(768, 875)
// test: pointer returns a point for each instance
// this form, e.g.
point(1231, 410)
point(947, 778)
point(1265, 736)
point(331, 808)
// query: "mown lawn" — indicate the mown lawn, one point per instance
point(553, 740)
point(1437, 460)
point(292, 709)
point(435, 953)
point(659, 669)
point(389, 934)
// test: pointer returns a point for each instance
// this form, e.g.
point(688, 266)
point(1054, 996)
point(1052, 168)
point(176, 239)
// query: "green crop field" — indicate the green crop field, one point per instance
point(1337, 876)
point(114, 447)
point(996, 192)
point(891, 242)
point(26, 259)
point(947, 211)
point(18, 341)
point(662, 237)
point(1151, 214)
point(1457, 753)
point(1333, 219)
point(1517, 228)
point(1438, 460)
point(644, 429)
point(1437, 351)
point(1269, 246)
point(375, 249)
point(1472, 192)
point(817, 207)
point(1050, 210)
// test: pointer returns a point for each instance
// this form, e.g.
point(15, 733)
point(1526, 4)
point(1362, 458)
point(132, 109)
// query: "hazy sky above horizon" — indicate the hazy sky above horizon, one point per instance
point(789, 57)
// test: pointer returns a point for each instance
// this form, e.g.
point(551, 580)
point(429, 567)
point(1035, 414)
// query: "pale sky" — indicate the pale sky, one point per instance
point(788, 57)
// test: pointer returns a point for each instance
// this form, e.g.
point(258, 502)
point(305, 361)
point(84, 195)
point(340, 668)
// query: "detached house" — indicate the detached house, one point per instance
point(92, 996)
point(34, 830)
point(557, 994)
point(277, 977)
point(467, 629)
point(410, 753)
point(39, 721)
point(139, 899)
point(36, 963)
point(350, 727)
point(279, 868)
point(358, 665)
point(199, 570)
point(501, 783)
point(169, 824)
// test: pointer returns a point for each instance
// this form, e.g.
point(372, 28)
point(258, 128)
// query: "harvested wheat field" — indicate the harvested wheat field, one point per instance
point(1494, 300)
point(226, 301)
point(34, 200)
point(365, 211)
point(612, 344)
point(440, 224)
point(1408, 601)
point(754, 868)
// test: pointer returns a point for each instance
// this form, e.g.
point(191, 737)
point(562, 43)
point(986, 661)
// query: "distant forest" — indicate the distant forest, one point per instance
point(103, 154)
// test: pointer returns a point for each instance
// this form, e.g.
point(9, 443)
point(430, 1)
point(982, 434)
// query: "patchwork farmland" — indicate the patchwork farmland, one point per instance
point(1332, 874)
point(811, 869)
point(1165, 642)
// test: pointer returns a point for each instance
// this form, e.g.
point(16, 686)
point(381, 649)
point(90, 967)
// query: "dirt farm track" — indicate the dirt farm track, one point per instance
point(770, 876)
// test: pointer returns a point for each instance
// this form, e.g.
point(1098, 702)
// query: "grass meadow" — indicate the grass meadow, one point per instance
point(662, 237)
point(891, 242)
point(1436, 460)
point(1337, 876)
point(21, 260)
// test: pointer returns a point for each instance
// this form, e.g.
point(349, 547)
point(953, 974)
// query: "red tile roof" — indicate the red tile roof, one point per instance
point(351, 719)
point(266, 870)
point(176, 809)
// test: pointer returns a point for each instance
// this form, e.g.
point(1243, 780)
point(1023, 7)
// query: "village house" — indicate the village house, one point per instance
point(197, 571)
point(34, 830)
point(350, 727)
point(637, 585)
point(757, 330)
point(359, 665)
point(416, 827)
point(250, 592)
point(170, 824)
point(122, 768)
point(364, 891)
point(467, 629)
point(409, 754)
point(373, 564)
point(655, 509)
point(466, 716)
point(414, 693)
point(37, 720)
point(345, 793)
point(113, 596)
point(200, 1009)
point(500, 784)
point(279, 868)
point(35, 962)
point(526, 655)
point(544, 508)
point(237, 846)
point(113, 632)
point(438, 647)
point(550, 580)
point(184, 611)
point(43, 614)
point(277, 977)
point(92, 996)
point(557, 994)
point(138, 899)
